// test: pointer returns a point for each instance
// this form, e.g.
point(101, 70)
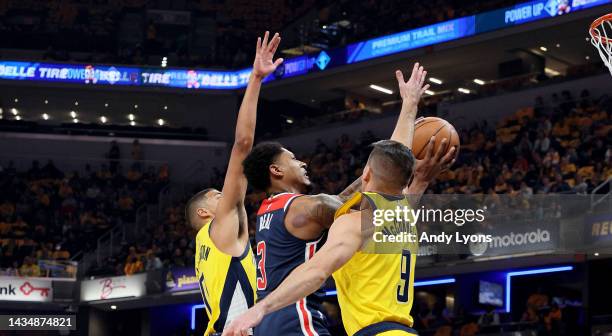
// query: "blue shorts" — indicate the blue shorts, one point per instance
point(300, 319)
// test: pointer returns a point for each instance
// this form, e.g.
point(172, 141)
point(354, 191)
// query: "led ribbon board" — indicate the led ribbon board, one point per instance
point(88, 74)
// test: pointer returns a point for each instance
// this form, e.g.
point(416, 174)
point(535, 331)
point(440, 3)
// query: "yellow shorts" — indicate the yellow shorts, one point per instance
point(396, 333)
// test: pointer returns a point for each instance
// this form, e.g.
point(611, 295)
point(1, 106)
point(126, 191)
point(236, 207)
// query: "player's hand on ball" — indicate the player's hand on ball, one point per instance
point(433, 164)
point(412, 90)
point(264, 55)
point(242, 325)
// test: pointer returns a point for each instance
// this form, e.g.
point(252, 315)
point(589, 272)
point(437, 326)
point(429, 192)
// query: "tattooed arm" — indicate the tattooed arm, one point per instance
point(345, 194)
point(308, 216)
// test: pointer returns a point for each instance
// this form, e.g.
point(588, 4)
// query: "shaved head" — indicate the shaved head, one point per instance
point(204, 199)
point(391, 164)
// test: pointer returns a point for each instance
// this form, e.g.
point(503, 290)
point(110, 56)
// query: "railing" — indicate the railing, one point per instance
point(164, 200)
point(67, 163)
point(596, 198)
point(192, 174)
point(140, 220)
point(109, 242)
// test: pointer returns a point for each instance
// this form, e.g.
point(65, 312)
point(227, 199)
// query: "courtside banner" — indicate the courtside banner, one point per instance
point(598, 229)
point(180, 279)
point(479, 226)
point(411, 39)
point(114, 287)
point(531, 11)
point(86, 74)
point(26, 289)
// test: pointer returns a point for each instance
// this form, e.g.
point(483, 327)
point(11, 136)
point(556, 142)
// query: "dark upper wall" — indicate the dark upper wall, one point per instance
point(214, 112)
point(188, 160)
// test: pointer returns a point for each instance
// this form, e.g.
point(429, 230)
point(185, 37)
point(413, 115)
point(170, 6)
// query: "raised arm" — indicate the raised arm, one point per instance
point(411, 92)
point(342, 243)
point(229, 230)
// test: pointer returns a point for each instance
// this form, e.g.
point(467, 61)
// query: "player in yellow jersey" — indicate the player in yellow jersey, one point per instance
point(374, 286)
point(223, 259)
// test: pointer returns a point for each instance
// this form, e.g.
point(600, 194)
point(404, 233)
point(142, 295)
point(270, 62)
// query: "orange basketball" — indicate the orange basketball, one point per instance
point(430, 126)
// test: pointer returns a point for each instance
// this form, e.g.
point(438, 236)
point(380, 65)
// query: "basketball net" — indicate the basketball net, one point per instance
point(601, 38)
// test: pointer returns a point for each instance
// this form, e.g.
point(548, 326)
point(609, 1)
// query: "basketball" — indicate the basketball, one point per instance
point(426, 128)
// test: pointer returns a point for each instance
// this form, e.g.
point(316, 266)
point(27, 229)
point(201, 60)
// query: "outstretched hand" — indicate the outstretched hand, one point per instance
point(241, 326)
point(433, 164)
point(412, 90)
point(264, 55)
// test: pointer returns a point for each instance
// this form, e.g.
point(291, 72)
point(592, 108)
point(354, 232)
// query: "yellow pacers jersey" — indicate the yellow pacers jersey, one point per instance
point(227, 283)
point(375, 287)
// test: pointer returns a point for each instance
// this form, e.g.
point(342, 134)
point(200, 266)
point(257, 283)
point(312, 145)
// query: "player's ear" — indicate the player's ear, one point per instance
point(203, 213)
point(366, 176)
point(276, 170)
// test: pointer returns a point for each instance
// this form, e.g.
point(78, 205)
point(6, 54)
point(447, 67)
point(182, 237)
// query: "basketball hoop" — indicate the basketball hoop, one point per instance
point(601, 37)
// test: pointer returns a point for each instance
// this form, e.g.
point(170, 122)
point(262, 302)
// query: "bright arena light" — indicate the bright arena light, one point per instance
point(380, 89)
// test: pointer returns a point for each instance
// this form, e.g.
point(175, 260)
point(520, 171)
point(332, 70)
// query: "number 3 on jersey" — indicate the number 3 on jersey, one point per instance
point(261, 265)
point(402, 288)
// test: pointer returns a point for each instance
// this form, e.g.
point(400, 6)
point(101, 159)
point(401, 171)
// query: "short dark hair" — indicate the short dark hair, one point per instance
point(195, 200)
point(394, 159)
point(256, 164)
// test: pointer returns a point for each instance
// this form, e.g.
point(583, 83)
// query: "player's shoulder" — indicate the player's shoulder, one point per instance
point(350, 217)
point(316, 199)
point(276, 202)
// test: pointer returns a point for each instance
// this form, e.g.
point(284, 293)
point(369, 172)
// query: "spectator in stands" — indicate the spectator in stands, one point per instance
point(136, 151)
point(29, 268)
point(113, 156)
point(12, 270)
point(552, 320)
point(489, 318)
point(50, 171)
point(126, 206)
point(469, 329)
point(134, 265)
point(542, 143)
point(153, 261)
point(177, 258)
